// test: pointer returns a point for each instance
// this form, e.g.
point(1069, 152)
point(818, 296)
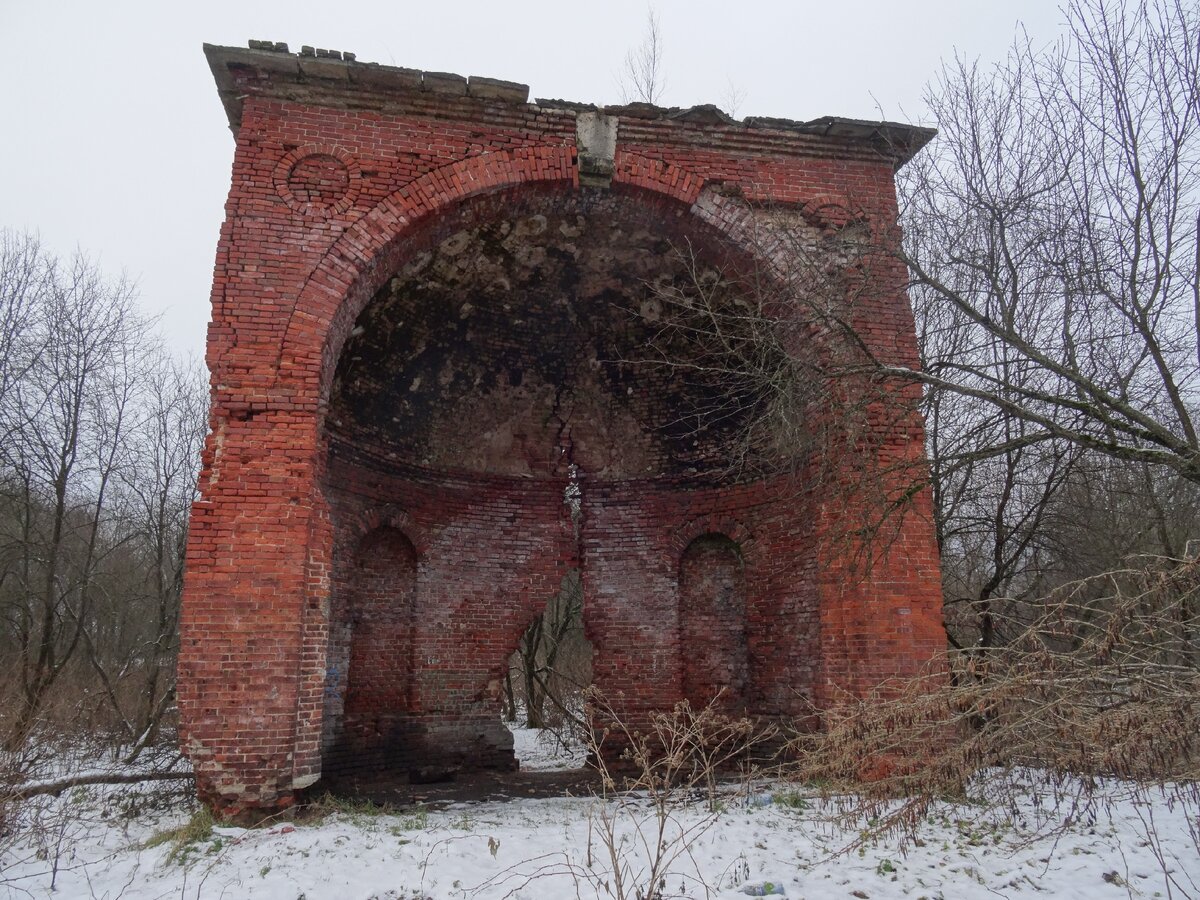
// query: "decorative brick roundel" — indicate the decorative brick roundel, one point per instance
point(318, 181)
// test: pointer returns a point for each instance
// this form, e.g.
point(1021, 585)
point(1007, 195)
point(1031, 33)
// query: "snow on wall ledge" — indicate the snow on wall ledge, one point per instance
point(422, 301)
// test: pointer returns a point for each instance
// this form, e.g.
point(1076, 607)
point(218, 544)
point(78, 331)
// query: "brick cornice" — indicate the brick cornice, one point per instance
point(339, 80)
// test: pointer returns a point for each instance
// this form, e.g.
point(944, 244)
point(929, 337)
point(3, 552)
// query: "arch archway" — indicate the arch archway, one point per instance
point(473, 434)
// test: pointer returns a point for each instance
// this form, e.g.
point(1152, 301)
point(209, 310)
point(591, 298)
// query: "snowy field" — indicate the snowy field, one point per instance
point(764, 840)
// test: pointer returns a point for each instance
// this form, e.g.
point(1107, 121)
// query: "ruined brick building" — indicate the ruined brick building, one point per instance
point(433, 398)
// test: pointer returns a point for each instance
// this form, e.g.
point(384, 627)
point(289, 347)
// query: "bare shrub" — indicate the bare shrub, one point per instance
point(55, 789)
point(668, 765)
point(1099, 686)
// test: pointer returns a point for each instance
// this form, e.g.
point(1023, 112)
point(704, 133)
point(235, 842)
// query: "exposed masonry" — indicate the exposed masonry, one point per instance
point(434, 396)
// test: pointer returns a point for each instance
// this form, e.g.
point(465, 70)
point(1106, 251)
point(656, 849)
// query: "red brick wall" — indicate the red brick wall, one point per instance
point(293, 547)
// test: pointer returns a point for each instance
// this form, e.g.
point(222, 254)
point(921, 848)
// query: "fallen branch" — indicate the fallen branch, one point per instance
point(58, 785)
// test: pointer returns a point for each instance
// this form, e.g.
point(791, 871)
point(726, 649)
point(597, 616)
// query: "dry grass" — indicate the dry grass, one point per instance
point(1101, 683)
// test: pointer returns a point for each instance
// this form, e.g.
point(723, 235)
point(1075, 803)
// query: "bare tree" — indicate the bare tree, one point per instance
point(66, 420)
point(1111, 510)
point(733, 98)
point(643, 78)
point(994, 491)
point(552, 662)
point(1052, 229)
point(132, 644)
point(23, 281)
point(1051, 234)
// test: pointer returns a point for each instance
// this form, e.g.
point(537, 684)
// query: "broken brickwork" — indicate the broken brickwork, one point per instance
point(433, 397)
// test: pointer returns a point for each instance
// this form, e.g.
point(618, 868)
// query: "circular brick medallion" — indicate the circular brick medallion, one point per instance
point(318, 181)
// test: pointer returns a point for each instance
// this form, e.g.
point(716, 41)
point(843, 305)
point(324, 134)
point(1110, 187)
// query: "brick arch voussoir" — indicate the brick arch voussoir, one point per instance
point(657, 175)
point(725, 526)
point(356, 528)
point(347, 276)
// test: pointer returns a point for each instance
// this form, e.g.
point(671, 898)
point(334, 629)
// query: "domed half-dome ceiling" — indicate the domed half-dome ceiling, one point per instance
point(542, 335)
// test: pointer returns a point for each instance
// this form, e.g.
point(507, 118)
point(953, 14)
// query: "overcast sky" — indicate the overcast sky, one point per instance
point(114, 140)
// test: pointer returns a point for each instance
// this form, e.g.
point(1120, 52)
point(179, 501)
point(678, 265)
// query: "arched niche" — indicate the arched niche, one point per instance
point(712, 623)
point(370, 697)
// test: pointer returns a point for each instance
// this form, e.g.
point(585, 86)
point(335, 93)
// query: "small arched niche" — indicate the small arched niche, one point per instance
point(712, 623)
point(370, 692)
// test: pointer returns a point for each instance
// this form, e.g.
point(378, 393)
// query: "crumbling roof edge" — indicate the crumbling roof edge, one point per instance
point(274, 63)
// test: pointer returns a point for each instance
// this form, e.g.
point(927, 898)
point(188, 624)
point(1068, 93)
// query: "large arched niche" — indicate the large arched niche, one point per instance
point(511, 375)
point(290, 493)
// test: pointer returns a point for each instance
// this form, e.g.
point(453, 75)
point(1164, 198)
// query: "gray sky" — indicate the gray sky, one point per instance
point(115, 141)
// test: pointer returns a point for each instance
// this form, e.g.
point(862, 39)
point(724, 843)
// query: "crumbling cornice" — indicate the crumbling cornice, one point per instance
point(337, 78)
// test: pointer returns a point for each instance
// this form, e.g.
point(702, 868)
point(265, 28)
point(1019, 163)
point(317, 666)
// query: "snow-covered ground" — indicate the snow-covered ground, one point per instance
point(763, 841)
point(541, 751)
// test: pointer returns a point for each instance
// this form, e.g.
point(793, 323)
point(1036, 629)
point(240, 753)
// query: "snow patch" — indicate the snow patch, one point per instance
point(543, 751)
